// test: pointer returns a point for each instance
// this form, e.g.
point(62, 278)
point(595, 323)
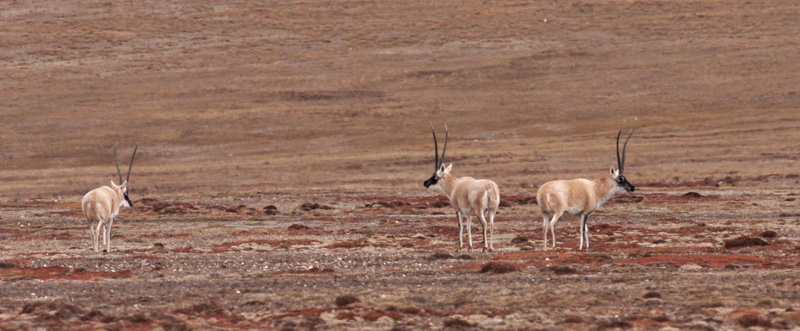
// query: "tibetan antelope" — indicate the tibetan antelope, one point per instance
point(581, 197)
point(102, 204)
point(468, 196)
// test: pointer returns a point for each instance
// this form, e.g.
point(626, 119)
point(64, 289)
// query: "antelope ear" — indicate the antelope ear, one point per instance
point(449, 167)
point(112, 183)
point(614, 172)
point(124, 184)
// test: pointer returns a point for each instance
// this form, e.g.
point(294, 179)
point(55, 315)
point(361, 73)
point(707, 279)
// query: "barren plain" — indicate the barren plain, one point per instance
point(283, 147)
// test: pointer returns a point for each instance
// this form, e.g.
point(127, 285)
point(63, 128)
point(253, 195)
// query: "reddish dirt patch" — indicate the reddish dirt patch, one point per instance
point(167, 235)
point(406, 204)
point(678, 198)
point(751, 320)
point(348, 244)
point(541, 258)
point(346, 315)
point(60, 273)
point(9, 230)
point(71, 213)
point(519, 199)
point(375, 315)
point(451, 231)
point(718, 260)
point(244, 104)
point(53, 236)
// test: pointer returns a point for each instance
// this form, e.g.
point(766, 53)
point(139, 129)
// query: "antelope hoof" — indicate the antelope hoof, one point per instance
point(105, 251)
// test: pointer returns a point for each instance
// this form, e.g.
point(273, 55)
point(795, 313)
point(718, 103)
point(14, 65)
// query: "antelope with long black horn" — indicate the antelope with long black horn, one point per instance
point(581, 197)
point(101, 205)
point(468, 196)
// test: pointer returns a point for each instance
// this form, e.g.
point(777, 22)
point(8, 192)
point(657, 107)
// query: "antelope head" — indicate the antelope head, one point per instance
point(618, 175)
point(126, 201)
point(439, 168)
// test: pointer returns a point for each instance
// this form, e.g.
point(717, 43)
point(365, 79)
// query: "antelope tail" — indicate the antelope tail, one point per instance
point(89, 211)
point(493, 196)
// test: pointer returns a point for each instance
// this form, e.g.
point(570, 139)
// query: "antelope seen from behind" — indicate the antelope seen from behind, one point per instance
point(468, 196)
point(581, 197)
point(101, 205)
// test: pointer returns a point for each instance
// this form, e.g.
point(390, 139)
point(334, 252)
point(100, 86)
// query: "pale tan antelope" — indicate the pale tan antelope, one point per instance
point(468, 196)
point(102, 204)
point(581, 197)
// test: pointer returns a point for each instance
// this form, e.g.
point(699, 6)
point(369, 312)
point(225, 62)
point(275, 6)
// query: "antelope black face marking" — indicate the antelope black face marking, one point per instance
point(431, 181)
point(130, 204)
point(624, 183)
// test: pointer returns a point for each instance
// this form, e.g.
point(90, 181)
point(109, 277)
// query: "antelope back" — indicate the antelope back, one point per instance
point(102, 203)
point(571, 196)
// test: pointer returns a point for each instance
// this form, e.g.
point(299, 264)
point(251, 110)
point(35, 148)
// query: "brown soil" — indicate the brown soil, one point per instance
point(283, 148)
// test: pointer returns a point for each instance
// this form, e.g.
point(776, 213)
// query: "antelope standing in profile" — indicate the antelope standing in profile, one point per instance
point(468, 196)
point(581, 197)
point(102, 204)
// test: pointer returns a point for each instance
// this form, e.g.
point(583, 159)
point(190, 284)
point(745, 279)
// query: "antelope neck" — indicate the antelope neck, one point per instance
point(604, 189)
point(448, 184)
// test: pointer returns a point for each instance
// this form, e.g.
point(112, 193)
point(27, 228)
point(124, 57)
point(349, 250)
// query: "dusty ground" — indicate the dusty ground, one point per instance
point(321, 110)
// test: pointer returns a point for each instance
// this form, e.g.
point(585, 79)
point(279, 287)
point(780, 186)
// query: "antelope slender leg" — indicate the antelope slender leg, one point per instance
point(586, 230)
point(553, 222)
point(582, 224)
point(108, 230)
point(545, 225)
point(460, 232)
point(94, 236)
point(105, 238)
point(491, 229)
point(485, 227)
point(469, 232)
point(97, 236)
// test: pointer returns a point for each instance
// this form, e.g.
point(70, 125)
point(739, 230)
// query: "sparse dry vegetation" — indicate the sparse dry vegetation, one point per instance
point(283, 148)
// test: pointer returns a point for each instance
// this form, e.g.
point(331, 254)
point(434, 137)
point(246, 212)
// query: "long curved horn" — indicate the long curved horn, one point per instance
point(624, 147)
point(116, 161)
point(445, 144)
point(435, 147)
point(131, 165)
point(619, 162)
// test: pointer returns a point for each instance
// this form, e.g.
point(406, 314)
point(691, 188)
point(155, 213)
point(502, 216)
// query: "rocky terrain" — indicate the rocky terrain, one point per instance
point(283, 146)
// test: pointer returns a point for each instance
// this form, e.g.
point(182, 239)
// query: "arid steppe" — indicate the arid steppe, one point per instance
point(283, 147)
